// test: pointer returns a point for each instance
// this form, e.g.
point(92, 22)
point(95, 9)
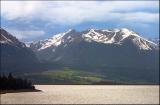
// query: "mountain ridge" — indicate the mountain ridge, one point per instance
point(114, 36)
point(15, 56)
point(118, 57)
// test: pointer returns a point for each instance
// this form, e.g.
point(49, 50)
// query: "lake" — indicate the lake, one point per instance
point(86, 94)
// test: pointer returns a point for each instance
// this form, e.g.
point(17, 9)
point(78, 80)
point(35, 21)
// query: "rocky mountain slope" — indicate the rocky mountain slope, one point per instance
point(116, 53)
point(110, 54)
point(15, 56)
point(115, 36)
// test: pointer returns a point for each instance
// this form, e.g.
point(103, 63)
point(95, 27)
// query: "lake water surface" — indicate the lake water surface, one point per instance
point(86, 94)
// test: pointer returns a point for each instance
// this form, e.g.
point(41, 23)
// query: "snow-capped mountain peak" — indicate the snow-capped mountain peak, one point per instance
point(118, 36)
point(7, 38)
point(107, 36)
point(56, 40)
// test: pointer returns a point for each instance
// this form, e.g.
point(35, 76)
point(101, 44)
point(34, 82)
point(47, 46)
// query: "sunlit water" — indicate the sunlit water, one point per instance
point(85, 94)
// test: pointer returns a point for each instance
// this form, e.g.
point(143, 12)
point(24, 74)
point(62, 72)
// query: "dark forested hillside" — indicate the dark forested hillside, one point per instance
point(15, 56)
point(11, 83)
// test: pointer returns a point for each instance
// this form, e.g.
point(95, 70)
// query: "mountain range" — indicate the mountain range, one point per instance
point(15, 56)
point(115, 54)
point(155, 40)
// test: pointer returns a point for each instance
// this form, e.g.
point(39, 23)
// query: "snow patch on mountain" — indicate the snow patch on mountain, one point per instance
point(56, 40)
point(4, 39)
point(107, 36)
point(7, 38)
point(117, 36)
point(95, 36)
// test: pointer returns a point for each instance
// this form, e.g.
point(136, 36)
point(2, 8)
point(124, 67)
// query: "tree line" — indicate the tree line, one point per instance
point(12, 83)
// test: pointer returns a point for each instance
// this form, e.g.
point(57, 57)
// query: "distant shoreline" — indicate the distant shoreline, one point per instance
point(98, 83)
point(106, 84)
point(18, 91)
point(36, 90)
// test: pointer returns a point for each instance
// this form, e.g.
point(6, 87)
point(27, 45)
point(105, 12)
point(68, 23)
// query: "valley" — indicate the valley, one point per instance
point(65, 76)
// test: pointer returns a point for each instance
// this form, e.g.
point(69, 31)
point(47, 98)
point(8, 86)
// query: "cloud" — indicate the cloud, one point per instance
point(26, 34)
point(75, 12)
point(140, 17)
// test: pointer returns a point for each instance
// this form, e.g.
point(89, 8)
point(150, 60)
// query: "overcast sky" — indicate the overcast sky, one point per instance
point(34, 20)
